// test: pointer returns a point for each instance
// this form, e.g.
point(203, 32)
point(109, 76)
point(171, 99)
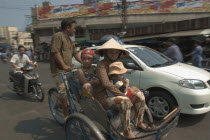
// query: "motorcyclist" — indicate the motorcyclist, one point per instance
point(19, 60)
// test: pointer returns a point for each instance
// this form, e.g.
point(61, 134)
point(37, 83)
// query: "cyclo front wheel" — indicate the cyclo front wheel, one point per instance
point(80, 127)
point(55, 106)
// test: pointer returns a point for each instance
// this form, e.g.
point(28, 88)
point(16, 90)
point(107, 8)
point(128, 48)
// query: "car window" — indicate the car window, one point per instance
point(97, 59)
point(127, 60)
point(150, 57)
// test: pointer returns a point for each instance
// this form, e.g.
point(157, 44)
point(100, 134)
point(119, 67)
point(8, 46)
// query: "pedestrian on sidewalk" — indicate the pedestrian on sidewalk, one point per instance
point(173, 51)
point(197, 52)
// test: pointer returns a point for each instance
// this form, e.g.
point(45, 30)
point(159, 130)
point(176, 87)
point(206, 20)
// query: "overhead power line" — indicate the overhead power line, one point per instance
point(13, 8)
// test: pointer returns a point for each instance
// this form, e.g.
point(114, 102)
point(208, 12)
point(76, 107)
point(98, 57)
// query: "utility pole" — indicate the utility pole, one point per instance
point(124, 16)
point(97, 7)
point(34, 44)
point(123, 19)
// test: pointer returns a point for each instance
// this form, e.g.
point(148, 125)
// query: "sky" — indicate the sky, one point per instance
point(17, 12)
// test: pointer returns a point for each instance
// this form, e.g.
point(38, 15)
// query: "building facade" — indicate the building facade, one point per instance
point(4, 35)
point(10, 36)
point(24, 39)
point(143, 18)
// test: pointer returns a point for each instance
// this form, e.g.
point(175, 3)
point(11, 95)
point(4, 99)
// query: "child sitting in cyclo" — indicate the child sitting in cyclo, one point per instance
point(116, 76)
point(87, 73)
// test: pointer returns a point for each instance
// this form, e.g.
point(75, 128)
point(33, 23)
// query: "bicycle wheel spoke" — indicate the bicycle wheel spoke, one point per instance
point(77, 129)
point(56, 108)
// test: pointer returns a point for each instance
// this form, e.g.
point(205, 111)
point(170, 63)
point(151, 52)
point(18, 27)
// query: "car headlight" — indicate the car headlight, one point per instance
point(193, 84)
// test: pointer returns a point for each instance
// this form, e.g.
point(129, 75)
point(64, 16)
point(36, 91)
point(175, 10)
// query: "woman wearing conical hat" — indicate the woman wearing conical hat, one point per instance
point(111, 51)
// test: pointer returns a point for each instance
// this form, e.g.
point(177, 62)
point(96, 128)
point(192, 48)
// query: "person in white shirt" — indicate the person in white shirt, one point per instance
point(20, 60)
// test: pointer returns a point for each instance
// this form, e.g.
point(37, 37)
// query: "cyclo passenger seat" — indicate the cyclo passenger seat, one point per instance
point(111, 113)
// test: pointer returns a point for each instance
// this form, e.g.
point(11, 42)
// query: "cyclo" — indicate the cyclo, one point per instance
point(89, 120)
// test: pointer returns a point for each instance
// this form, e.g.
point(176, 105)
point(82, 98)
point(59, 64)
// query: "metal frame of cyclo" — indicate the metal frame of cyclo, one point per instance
point(72, 104)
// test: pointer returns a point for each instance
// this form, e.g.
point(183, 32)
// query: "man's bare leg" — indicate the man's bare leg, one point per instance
point(64, 105)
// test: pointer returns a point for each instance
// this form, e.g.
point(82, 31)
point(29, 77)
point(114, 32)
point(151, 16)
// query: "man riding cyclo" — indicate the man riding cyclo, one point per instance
point(112, 51)
point(61, 53)
point(18, 61)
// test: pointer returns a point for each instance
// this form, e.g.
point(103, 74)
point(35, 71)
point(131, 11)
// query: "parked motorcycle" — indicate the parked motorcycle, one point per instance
point(31, 83)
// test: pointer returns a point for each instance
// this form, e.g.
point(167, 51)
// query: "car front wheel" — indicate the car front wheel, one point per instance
point(160, 104)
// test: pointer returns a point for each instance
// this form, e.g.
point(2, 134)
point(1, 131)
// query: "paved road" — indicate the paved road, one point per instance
point(24, 119)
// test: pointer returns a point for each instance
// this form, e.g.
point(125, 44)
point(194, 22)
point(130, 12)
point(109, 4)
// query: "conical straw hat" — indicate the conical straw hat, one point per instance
point(112, 45)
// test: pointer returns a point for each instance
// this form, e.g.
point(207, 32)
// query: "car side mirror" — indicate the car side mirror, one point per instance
point(131, 66)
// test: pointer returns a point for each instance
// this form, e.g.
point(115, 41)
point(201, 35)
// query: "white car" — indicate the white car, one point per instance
point(169, 83)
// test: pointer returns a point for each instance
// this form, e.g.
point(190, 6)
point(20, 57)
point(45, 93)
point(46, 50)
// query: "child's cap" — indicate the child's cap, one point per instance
point(87, 51)
point(117, 68)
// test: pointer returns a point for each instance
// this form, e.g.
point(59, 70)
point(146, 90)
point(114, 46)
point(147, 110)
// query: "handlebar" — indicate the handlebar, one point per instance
point(27, 69)
point(69, 70)
point(70, 73)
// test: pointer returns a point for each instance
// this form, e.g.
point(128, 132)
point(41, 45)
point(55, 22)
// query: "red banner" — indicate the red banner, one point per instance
point(137, 7)
point(175, 6)
point(95, 9)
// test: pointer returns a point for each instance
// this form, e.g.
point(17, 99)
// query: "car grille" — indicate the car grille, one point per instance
point(208, 82)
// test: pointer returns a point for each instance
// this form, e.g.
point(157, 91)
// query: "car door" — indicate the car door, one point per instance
point(134, 71)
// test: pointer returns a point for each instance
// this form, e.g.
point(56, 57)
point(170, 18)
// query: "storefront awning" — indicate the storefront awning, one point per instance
point(190, 33)
point(143, 37)
point(175, 34)
point(5, 46)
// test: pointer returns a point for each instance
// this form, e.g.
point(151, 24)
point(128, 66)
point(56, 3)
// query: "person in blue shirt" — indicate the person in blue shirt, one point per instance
point(28, 53)
point(173, 50)
point(4, 54)
point(197, 53)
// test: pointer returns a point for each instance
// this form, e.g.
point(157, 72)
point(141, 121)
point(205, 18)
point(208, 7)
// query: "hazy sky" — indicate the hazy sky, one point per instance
point(14, 12)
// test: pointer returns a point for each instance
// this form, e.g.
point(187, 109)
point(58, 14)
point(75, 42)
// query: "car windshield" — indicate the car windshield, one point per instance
point(150, 57)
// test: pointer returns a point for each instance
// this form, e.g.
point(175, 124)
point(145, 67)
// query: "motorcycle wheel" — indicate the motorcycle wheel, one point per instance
point(18, 91)
point(38, 92)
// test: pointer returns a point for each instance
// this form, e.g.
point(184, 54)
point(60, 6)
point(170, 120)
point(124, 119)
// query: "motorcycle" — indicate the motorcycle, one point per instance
point(31, 83)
